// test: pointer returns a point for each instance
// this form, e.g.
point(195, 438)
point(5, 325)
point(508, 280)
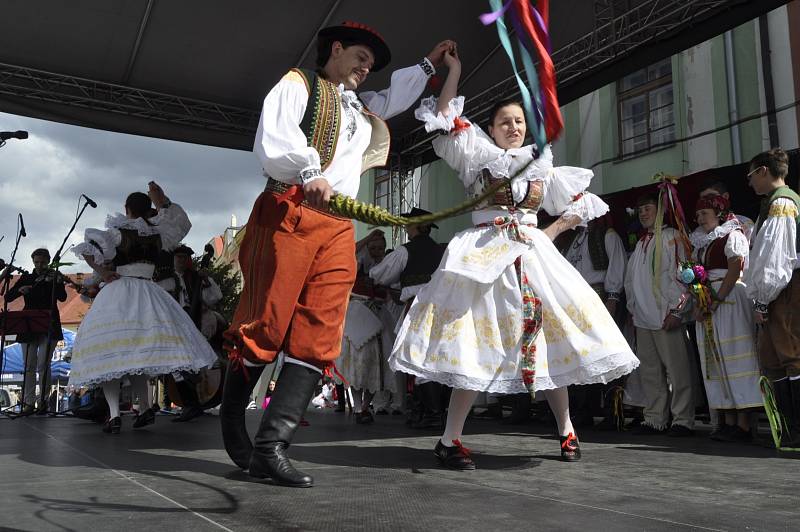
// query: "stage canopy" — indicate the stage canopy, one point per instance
point(197, 70)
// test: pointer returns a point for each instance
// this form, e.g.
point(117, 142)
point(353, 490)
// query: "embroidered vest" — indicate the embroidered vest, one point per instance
point(424, 256)
point(504, 197)
point(763, 214)
point(714, 255)
point(323, 119)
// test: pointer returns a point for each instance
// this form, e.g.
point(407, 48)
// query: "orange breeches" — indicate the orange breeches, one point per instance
point(298, 266)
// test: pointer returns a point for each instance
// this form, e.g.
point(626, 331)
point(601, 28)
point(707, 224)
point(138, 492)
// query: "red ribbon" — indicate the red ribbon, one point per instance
point(294, 193)
point(237, 362)
point(328, 373)
point(461, 449)
point(553, 123)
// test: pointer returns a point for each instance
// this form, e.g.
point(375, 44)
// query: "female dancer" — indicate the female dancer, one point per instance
point(134, 328)
point(729, 363)
point(506, 312)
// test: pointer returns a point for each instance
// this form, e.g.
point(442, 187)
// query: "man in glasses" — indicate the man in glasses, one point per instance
point(774, 284)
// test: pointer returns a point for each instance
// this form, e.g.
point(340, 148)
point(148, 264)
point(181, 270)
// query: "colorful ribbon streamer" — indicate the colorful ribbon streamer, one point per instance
point(540, 101)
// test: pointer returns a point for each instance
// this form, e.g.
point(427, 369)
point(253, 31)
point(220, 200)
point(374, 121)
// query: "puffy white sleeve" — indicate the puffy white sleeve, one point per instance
point(100, 244)
point(387, 272)
point(566, 193)
point(615, 275)
point(211, 293)
point(280, 144)
point(405, 88)
point(172, 224)
point(774, 255)
point(737, 245)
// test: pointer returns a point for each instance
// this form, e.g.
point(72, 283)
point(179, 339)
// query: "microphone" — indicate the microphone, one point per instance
point(22, 226)
point(90, 201)
point(21, 135)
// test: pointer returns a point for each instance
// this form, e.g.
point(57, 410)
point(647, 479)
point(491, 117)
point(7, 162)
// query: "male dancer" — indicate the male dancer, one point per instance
point(315, 137)
point(774, 284)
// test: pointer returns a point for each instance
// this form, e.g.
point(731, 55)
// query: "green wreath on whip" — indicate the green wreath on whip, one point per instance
point(348, 207)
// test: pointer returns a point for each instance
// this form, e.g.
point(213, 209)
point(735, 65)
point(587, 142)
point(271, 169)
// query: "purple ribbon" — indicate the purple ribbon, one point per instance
point(490, 18)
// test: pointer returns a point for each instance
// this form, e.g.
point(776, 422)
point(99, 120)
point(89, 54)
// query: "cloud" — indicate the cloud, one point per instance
point(42, 178)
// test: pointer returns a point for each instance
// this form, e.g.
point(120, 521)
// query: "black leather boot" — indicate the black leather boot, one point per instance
point(786, 406)
point(235, 398)
point(794, 423)
point(294, 390)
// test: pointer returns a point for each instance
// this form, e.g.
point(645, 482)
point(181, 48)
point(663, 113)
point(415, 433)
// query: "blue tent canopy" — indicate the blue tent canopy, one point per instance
point(13, 357)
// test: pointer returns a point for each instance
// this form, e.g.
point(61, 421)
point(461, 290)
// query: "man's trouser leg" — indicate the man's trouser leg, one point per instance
point(654, 379)
point(779, 355)
point(44, 356)
point(672, 349)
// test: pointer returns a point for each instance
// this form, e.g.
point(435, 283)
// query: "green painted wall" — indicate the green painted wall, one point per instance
point(571, 114)
point(443, 190)
point(721, 109)
point(747, 87)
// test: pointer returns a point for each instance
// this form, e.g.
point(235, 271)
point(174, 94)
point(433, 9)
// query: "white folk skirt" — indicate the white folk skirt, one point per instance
point(134, 327)
point(731, 380)
point(465, 327)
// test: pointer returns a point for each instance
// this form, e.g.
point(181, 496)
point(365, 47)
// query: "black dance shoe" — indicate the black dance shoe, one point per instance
point(456, 457)
point(148, 417)
point(112, 426)
point(570, 448)
point(188, 413)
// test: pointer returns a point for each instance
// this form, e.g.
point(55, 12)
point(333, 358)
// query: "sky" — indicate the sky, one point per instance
point(43, 177)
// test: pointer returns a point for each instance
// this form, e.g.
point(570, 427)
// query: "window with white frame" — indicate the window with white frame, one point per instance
point(646, 110)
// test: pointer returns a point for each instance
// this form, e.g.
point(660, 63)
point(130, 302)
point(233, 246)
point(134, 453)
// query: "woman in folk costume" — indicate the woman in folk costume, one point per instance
point(134, 328)
point(725, 331)
point(368, 332)
point(505, 312)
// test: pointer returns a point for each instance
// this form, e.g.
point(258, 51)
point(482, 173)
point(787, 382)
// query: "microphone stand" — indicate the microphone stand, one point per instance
point(54, 308)
point(6, 282)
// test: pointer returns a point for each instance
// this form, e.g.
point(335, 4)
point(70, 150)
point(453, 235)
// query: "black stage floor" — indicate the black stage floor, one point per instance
point(64, 474)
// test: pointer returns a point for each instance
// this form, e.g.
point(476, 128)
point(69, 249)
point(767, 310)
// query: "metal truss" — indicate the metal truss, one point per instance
point(619, 30)
point(403, 191)
point(45, 86)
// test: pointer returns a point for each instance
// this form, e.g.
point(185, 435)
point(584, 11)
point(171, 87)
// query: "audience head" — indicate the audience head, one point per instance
point(647, 207)
point(711, 211)
point(768, 170)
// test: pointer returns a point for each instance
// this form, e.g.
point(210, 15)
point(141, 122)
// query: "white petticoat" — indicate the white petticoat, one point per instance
point(366, 344)
point(135, 327)
point(465, 327)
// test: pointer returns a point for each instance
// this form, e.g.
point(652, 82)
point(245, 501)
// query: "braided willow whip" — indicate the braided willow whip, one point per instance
point(777, 423)
point(373, 215)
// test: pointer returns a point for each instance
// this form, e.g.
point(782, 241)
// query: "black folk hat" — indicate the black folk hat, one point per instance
point(362, 34)
point(416, 211)
point(183, 249)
